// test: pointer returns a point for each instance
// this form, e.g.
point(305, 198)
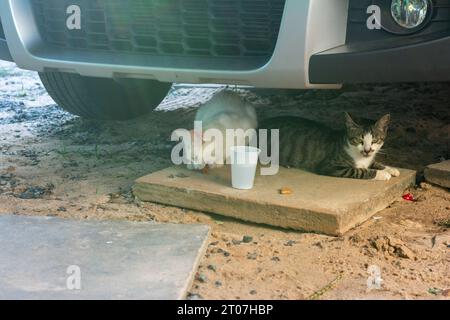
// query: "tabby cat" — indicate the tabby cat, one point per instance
point(349, 153)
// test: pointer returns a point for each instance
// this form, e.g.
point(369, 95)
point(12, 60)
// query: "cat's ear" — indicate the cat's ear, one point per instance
point(349, 122)
point(383, 123)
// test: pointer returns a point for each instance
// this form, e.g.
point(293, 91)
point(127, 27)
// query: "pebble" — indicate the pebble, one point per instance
point(36, 192)
point(318, 244)
point(252, 256)
point(202, 278)
point(218, 283)
point(212, 267)
point(276, 259)
point(194, 296)
point(247, 239)
point(290, 243)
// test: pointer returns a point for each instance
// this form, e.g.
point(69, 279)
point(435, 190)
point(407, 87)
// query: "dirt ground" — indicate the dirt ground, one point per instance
point(56, 164)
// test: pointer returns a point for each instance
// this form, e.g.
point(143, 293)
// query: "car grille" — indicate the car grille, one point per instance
point(203, 29)
point(357, 31)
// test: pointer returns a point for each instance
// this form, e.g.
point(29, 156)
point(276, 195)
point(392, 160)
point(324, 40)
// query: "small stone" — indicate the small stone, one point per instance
point(212, 267)
point(318, 244)
point(392, 246)
point(252, 256)
point(226, 253)
point(425, 186)
point(37, 192)
point(253, 292)
point(194, 296)
point(218, 283)
point(276, 259)
point(247, 239)
point(355, 238)
point(434, 291)
point(236, 242)
point(290, 243)
point(201, 277)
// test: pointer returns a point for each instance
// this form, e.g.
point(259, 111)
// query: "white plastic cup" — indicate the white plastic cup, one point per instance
point(244, 161)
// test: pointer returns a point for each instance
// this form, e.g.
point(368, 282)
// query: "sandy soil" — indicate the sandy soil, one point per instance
point(55, 164)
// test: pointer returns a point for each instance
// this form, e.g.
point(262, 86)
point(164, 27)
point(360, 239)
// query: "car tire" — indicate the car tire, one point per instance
point(102, 98)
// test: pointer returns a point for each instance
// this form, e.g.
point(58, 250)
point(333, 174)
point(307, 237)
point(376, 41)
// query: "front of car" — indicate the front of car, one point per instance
point(269, 43)
point(263, 43)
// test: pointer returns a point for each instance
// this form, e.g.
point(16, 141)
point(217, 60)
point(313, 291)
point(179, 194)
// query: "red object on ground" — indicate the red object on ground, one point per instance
point(408, 197)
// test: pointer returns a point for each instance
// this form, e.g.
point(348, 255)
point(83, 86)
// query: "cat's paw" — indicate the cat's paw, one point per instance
point(392, 171)
point(383, 175)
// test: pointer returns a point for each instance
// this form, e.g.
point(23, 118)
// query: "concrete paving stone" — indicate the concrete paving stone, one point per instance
point(439, 174)
point(41, 258)
point(318, 204)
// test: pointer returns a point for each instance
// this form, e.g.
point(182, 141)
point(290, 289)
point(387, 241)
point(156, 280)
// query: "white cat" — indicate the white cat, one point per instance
point(226, 110)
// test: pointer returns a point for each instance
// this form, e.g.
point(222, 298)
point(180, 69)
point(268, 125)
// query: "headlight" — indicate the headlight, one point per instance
point(409, 14)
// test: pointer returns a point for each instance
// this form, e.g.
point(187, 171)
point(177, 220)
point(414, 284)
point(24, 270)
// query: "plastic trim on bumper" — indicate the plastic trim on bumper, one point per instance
point(4, 51)
point(425, 61)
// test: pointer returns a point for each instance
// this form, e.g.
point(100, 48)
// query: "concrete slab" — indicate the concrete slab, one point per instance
point(439, 174)
point(116, 260)
point(318, 204)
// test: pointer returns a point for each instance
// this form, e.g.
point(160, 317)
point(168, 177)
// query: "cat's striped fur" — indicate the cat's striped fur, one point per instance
point(349, 153)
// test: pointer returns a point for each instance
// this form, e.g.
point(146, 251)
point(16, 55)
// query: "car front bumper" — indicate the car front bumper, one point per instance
point(307, 27)
point(321, 44)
